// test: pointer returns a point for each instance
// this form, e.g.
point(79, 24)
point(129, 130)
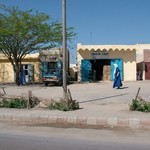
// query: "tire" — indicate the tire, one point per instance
point(46, 84)
point(60, 83)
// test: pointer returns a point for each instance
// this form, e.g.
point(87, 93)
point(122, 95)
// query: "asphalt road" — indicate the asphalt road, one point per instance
point(46, 138)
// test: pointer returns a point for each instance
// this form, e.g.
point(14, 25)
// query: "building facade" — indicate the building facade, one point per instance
point(32, 67)
point(30, 64)
point(96, 62)
point(143, 61)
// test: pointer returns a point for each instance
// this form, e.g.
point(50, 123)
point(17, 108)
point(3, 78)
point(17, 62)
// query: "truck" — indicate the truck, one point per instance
point(52, 66)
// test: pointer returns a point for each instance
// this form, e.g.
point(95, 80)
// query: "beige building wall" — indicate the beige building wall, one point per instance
point(139, 54)
point(7, 73)
point(125, 52)
point(73, 71)
point(140, 57)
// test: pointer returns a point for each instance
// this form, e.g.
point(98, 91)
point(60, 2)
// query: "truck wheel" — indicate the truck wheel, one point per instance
point(46, 84)
point(60, 83)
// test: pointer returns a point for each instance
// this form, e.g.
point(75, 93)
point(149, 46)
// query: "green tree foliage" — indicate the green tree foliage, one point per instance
point(22, 32)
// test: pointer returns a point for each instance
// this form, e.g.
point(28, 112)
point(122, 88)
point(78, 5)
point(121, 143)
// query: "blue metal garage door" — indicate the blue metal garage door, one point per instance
point(85, 70)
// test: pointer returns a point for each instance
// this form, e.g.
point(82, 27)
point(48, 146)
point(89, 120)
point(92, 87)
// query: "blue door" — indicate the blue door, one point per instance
point(44, 68)
point(85, 70)
point(119, 63)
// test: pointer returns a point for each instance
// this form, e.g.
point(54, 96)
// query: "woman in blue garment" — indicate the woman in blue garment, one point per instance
point(117, 78)
point(22, 76)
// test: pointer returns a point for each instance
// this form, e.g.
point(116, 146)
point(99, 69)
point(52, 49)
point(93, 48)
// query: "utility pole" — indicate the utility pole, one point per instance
point(64, 48)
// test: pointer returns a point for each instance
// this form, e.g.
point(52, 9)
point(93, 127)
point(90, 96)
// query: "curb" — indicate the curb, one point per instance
point(74, 121)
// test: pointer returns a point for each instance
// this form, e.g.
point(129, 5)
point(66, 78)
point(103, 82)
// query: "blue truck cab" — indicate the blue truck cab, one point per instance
point(52, 73)
point(52, 66)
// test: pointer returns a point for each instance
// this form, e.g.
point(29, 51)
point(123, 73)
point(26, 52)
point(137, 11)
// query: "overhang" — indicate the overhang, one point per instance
point(105, 47)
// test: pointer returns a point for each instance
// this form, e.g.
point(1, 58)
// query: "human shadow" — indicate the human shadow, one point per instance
point(98, 99)
point(123, 87)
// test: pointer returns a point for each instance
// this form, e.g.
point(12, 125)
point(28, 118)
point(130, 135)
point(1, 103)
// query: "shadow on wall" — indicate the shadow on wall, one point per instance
point(140, 69)
point(73, 74)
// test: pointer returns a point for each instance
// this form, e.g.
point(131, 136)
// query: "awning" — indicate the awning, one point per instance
point(106, 47)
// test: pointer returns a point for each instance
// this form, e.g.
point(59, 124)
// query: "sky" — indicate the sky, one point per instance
point(97, 22)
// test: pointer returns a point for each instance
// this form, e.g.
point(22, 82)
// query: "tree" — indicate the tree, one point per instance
point(22, 32)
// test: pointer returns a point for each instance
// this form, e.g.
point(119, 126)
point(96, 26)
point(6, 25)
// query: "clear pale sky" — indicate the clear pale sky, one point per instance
point(97, 21)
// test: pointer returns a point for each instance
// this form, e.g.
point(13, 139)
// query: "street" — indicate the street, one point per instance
point(47, 138)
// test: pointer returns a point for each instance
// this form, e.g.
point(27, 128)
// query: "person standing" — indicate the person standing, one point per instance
point(22, 76)
point(117, 78)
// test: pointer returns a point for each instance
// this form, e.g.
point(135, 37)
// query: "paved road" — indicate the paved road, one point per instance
point(37, 138)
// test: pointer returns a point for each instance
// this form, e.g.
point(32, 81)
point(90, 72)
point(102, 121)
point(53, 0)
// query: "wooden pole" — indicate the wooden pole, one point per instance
point(29, 99)
point(137, 94)
point(64, 48)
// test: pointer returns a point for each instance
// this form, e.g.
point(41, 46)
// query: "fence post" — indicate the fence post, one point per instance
point(137, 94)
point(29, 99)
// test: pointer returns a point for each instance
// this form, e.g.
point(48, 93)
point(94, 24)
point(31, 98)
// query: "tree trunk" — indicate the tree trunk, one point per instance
point(17, 77)
point(17, 69)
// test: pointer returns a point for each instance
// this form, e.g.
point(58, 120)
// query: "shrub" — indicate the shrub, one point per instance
point(140, 105)
point(63, 105)
point(14, 103)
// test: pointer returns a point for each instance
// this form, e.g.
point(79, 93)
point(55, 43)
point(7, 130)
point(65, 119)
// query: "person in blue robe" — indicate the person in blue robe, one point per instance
point(22, 76)
point(117, 78)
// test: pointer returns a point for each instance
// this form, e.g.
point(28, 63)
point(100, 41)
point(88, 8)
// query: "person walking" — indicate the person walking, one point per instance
point(117, 78)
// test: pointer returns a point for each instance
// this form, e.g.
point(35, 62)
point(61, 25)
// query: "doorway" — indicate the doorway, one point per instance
point(96, 69)
point(29, 72)
point(101, 69)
